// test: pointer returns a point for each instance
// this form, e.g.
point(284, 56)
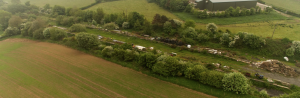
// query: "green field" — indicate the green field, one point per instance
point(292, 5)
point(65, 3)
point(30, 69)
point(140, 6)
point(232, 20)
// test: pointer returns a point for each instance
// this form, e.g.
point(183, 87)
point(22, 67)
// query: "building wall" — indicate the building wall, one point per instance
point(246, 4)
point(223, 6)
point(201, 5)
point(209, 6)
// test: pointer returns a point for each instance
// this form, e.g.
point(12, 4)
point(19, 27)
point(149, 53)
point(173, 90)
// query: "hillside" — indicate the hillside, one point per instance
point(292, 5)
point(66, 3)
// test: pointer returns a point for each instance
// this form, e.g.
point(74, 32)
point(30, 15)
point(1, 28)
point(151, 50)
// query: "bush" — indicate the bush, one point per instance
point(107, 51)
point(202, 37)
point(189, 33)
point(46, 33)
point(290, 52)
point(10, 31)
point(119, 54)
point(111, 26)
point(125, 25)
point(264, 94)
point(296, 46)
point(167, 66)
point(130, 55)
point(147, 60)
point(212, 27)
point(25, 29)
point(254, 41)
point(225, 39)
point(207, 77)
point(57, 34)
point(77, 28)
point(167, 27)
point(193, 72)
point(86, 40)
point(189, 41)
point(189, 23)
point(236, 82)
point(38, 34)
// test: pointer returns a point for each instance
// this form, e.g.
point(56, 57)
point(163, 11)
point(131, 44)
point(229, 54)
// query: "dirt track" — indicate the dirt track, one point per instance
point(38, 69)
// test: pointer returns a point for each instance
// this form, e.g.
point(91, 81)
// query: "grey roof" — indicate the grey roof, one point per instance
point(217, 1)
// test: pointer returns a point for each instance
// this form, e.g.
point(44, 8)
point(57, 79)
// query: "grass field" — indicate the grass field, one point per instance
point(232, 20)
point(31, 69)
point(140, 6)
point(292, 5)
point(65, 3)
point(263, 29)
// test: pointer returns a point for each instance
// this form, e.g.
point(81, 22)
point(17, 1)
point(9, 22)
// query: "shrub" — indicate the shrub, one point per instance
point(236, 82)
point(86, 40)
point(46, 33)
point(130, 55)
point(254, 41)
point(225, 39)
point(119, 54)
point(77, 28)
point(167, 27)
point(25, 29)
point(202, 37)
point(167, 66)
point(57, 34)
point(189, 41)
point(212, 27)
point(111, 26)
point(207, 77)
point(189, 33)
point(38, 34)
point(290, 52)
point(193, 72)
point(189, 23)
point(108, 51)
point(10, 31)
point(296, 46)
point(147, 60)
point(125, 25)
point(264, 94)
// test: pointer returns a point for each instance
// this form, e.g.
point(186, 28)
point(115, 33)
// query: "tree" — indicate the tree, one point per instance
point(193, 72)
point(27, 3)
point(236, 82)
point(59, 10)
point(225, 39)
point(254, 41)
point(167, 66)
point(189, 8)
point(189, 32)
point(167, 27)
point(16, 8)
point(189, 23)
point(252, 11)
point(98, 15)
point(57, 34)
point(47, 6)
point(36, 24)
point(38, 34)
point(137, 25)
point(111, 26)
point(10, 31)
point(211, 27)
point(4, 18)
point(125, 25)
point(135, 16)
point(147, 60)
point(15, 21)
point(25, 29)
point(86, 40)
point(15, 1)
point(77, 28)
point(107, 51)
point(148, 28)
point(46, 33)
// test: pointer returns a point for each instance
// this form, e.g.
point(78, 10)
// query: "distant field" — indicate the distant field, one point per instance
point(232, 20)
point(264, 29)
point(31, 69)
point(66, 3)
point(141, 6)
point(292, 5)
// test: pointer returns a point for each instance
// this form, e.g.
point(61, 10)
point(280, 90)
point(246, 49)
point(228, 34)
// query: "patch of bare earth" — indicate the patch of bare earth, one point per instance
point(58, 71)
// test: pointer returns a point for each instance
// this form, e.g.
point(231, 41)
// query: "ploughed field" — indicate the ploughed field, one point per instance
point(38, 69)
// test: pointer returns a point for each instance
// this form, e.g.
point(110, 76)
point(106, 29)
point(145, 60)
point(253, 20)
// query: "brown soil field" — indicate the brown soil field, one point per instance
point(31, 69)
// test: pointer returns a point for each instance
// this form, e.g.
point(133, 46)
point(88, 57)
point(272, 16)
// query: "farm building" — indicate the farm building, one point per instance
point(221, 5)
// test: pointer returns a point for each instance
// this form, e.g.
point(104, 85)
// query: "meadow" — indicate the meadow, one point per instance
point(140, 6)
point(37, 69)
point(65, 3)
point(232, 20)
point(292, 5)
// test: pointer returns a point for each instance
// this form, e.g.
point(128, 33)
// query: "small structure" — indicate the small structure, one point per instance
point(140, 47)
point(189, 46)
point(286, 58)
point(222, 5)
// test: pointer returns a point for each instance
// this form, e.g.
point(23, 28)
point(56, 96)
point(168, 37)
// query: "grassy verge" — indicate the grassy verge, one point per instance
point(65, 3)
point(232, 20)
